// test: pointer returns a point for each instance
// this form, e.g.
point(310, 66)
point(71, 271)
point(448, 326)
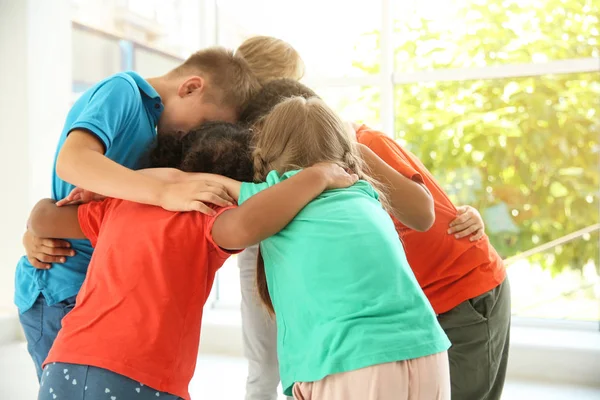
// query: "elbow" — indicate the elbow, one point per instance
point(419, 217)
point(426, 220)
point(232, 237)
point(36, 223)
point(245, 237)
point(426, 214)
point(64, 166)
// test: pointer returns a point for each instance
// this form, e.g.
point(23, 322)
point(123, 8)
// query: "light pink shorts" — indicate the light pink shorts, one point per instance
point(424, 378)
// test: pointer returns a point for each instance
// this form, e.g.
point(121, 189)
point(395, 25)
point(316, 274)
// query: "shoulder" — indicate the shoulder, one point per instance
point(122, 80)
point(117, 87)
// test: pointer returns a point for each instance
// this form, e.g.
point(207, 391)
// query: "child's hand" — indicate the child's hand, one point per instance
point(79, 196)
point(335, 176)
point(41, 252)
point(190, 195)
point(467, 223)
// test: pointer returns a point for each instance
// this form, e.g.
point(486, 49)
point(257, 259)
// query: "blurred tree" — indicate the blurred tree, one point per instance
point(525, 150)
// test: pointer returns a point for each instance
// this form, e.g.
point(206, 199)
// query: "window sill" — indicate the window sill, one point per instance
point(543, 351)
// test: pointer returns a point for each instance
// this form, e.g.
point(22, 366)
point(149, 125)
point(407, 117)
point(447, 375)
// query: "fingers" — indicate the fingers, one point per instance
point(56, 251)
point(477, 235)
point(462, 209)
point(70, 200)
point(55, 243)
point(38, 264)
point(215, 196)
point(220, 191)
point(466, 232)
point(202, 208)
point(62, 202)
point(46, 258)
point(462, 219)
point(463, 215)
point(461, 224)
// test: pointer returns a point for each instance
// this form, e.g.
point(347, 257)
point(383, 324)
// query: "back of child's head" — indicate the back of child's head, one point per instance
point(296, 134)
point(300, 132)
point(215, 147)
point(270, 95)
point(229, 79)
point(219, 148)
point(271, 58)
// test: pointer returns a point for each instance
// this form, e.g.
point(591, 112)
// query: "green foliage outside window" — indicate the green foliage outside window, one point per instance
point(524, 151)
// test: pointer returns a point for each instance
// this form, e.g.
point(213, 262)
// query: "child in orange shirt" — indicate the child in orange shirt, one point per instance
point(135, 329)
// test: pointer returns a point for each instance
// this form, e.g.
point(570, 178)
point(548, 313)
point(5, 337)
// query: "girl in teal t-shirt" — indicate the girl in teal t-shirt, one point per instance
point(352, 321)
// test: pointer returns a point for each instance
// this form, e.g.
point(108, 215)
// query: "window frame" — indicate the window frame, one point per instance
point(388, 78)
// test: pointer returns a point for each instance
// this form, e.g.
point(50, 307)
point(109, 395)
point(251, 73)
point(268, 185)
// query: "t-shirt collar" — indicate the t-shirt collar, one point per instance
point(151, 98)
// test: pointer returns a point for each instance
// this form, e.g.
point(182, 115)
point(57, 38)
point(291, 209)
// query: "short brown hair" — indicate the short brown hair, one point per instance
point(270, 95)
point(229, 78)
point(271, 58)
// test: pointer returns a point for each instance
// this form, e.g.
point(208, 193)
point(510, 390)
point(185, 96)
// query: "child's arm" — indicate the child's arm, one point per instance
point(218, 188)
point(101, 124)
point(82, 162)
point(269, 211)
point(48, 220)
point(411, 201)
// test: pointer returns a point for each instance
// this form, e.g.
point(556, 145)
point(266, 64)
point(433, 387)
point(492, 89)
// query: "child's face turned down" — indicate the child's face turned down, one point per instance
point(191, 107)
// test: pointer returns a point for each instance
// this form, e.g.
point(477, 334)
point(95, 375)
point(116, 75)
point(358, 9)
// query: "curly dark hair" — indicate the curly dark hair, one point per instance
point(216, 147)
point(271, 94)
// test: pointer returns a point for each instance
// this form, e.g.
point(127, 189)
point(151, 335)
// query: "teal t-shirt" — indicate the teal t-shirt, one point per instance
point(344, 295)
point(122, 112)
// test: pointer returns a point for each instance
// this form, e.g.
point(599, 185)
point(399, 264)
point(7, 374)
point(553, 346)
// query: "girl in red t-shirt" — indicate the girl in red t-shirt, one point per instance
point(135, 328)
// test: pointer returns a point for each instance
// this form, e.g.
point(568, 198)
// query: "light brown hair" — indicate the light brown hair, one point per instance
point(271, 94)
point(229, 78)
point(271, 58)
point(296, 134)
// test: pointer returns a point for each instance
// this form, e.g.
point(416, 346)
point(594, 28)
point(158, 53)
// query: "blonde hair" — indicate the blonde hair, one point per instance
point(298, 133)
point(229, 78)
point(271, 58)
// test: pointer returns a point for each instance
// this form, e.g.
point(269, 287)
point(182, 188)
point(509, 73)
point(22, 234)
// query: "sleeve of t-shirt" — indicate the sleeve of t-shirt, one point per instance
point(221, 252)
point(248, 190)
point(90, 217)
point(389, 151)
point(109, 111)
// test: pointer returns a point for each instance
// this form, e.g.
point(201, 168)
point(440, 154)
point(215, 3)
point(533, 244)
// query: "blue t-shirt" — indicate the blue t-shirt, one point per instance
point(122, 111)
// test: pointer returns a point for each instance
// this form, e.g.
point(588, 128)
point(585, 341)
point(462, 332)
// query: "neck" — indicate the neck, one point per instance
point(162, 85)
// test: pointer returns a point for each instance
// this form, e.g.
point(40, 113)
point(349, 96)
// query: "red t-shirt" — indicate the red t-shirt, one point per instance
point(449, 270)
point(139, 310)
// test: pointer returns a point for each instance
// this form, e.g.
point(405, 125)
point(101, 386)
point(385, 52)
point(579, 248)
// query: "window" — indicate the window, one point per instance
point(499, 100)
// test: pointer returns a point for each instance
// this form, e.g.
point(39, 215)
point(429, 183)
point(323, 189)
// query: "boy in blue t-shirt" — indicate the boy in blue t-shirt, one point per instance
point(106, 132)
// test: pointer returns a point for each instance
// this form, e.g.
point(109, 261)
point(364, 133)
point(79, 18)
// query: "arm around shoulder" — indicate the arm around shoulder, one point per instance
point(412, 204)
point(48, 220)
point(269, 211)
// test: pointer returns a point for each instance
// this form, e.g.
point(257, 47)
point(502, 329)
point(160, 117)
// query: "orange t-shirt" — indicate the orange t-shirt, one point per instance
point(449, 270)
point(139, 310)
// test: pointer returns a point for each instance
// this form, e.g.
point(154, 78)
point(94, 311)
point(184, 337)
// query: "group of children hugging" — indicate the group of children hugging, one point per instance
point(360, 279)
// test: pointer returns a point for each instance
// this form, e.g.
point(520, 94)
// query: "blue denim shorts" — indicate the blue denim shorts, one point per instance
point(41, 324)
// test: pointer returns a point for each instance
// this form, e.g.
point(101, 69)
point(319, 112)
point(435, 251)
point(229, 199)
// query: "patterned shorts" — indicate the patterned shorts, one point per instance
point(62, 381)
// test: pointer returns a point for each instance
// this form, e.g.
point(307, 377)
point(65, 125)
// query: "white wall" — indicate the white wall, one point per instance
point(14, 161)
point(35, 87)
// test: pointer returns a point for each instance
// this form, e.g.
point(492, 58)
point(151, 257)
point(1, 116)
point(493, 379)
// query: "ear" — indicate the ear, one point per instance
point(191, 85)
